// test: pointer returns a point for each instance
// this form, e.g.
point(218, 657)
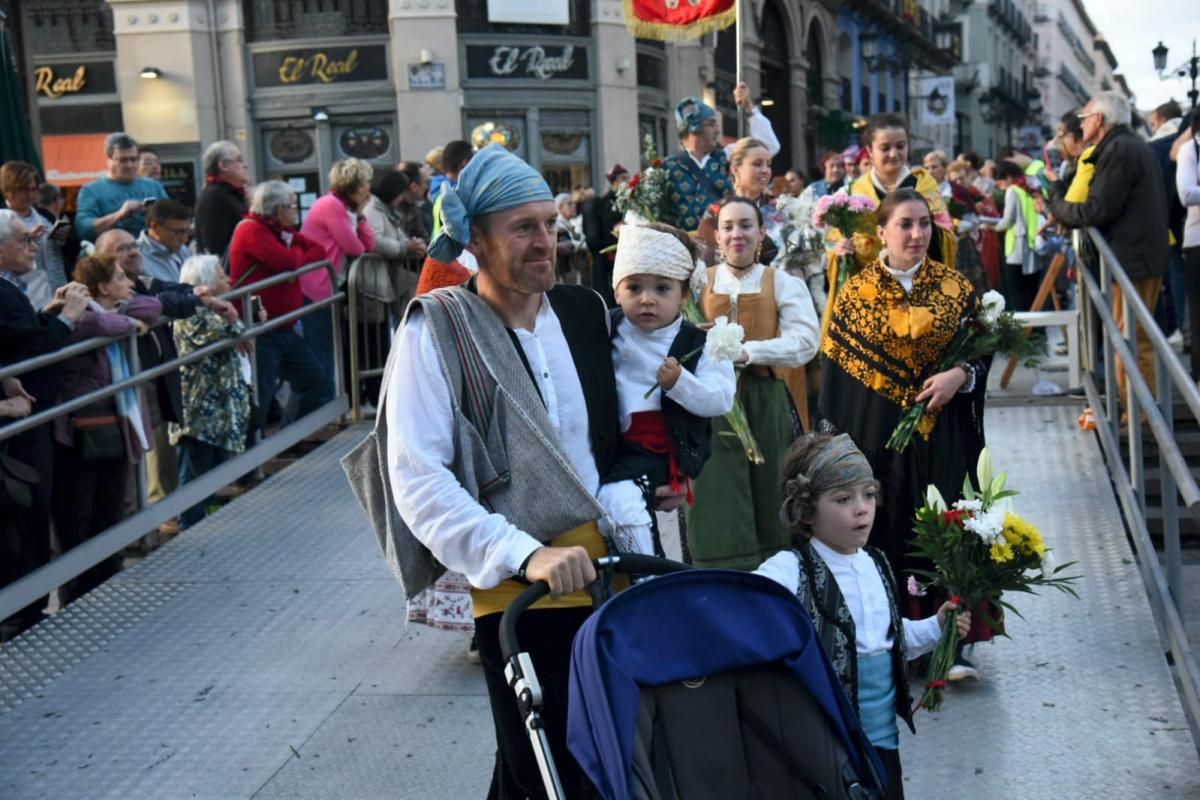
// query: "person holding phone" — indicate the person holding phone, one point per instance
point(118, 200)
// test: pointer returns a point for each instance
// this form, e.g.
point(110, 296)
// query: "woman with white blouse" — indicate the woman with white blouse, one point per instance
point(735, 520)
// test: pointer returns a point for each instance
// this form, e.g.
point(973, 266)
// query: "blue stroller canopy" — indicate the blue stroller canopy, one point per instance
point(684, 626)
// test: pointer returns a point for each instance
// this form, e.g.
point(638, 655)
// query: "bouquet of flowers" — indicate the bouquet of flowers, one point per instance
point(723, 342)
point(736, 417)
point(802, 242)
point(986, 332)
point(644, 197)
point(980, 549)
point(849, 214)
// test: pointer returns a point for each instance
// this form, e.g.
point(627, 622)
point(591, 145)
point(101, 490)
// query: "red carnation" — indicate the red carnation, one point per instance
point(657, 163)
point(633, 184)
point(955, 517)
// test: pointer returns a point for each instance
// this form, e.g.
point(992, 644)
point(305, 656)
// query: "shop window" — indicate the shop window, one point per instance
point(560, 144)
point(90, 118)
point(69, 26)
point(651, 70)
point(655, 127)
point(291, 146)
point(473, 18)
point(484, 129)
point(370, 142)
point(268, 20)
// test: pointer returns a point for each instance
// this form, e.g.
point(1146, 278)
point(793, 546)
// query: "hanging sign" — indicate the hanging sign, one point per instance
point(534, 62)
point(671, 19)
point(320, 65)
point(937, 100)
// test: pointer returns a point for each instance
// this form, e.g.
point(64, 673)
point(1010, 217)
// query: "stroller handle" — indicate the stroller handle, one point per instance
point(627, 563)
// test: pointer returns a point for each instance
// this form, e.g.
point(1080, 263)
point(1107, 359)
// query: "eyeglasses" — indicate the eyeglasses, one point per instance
point(177, 231)
point(1085, 116)
point(28, 240)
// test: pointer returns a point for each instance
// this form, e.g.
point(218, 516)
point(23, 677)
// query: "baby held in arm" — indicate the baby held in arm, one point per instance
point(670, 382)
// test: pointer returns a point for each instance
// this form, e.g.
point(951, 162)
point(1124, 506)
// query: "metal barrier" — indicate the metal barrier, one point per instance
point(47, 578)
point(369, 361)
point(1164, 586)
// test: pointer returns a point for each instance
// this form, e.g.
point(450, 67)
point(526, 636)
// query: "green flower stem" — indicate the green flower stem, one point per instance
point(686, 356)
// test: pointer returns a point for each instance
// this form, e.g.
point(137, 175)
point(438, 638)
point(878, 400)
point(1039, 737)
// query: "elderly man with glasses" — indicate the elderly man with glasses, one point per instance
point(119, 199)
point(164, 243)
point(223, 203)
point(1126, 203)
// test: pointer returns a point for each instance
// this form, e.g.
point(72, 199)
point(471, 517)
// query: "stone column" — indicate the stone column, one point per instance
point(616, 114)
point(425, 118)
point(172, 37)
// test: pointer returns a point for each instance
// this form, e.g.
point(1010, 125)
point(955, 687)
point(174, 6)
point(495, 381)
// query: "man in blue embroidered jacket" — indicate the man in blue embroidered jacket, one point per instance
point(699, 173)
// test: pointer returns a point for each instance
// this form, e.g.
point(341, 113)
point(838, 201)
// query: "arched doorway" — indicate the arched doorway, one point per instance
point(815, 81)
point(776, 81)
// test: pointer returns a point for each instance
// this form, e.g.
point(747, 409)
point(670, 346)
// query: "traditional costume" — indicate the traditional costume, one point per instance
point(853, 602)
point(697, 183)
point(668, 435)
point(888, 333)
point(735, 520)
point(943, 247)
point(499, 440)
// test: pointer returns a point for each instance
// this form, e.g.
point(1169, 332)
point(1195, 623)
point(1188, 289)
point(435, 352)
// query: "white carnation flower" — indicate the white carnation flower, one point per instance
point(987, 525)
point(993, 306)
point(972, 506)
point(724, 341)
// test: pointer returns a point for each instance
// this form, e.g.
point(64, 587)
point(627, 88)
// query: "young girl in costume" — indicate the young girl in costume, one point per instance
point(734, 523)
point(668, 434)
point(829, 500)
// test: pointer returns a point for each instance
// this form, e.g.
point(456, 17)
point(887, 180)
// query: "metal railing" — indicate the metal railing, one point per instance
point(373, 324)
point(1143, 409)
point(47, 578)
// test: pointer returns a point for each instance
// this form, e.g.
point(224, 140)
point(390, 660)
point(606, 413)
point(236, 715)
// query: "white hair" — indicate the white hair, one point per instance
point(215, 154)
point(201, 271)
point(8, 222)
point(1114, 107)
point(270, 196)
point(561, 200)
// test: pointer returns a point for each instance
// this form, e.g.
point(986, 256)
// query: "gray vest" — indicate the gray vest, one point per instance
point(498, 419)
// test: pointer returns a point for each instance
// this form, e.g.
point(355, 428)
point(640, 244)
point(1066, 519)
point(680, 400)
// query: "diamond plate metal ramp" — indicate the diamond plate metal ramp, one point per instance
point(1080, 702)
point(264, 655)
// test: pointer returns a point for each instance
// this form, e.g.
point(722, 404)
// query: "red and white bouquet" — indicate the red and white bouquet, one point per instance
point(644, 197)
point(980, 549)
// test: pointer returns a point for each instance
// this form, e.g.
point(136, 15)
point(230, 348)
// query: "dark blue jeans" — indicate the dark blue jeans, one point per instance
point(284, 355)
point(195, 459)
point(318, 334)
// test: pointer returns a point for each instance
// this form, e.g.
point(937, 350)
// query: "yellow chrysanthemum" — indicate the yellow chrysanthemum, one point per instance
point(1021, 533)
point(1002, 552)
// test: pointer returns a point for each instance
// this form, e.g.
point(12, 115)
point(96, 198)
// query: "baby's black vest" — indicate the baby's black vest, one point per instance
point(691, 434)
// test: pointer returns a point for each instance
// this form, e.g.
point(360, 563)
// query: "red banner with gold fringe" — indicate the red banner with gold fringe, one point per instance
point(678, 19)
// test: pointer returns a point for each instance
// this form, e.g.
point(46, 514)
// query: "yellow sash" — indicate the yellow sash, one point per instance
point(494, 601)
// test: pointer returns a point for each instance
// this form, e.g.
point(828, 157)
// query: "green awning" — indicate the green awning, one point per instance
point(16, 142)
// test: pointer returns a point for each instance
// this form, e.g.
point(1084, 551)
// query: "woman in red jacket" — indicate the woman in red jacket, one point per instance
point(265, 244)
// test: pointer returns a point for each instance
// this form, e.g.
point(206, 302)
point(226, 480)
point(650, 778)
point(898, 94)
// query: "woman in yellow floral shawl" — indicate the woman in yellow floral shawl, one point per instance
point(886, 139)
point(890, 327)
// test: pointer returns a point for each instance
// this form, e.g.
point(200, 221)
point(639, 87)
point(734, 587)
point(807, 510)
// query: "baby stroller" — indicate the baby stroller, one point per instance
point(698, 684)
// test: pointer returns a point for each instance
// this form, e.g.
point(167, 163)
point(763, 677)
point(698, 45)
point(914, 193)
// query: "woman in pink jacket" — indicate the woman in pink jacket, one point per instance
point(336, 223)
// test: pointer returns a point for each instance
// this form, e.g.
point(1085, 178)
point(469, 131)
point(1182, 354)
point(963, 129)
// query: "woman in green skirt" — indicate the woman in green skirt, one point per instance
point(734, 522)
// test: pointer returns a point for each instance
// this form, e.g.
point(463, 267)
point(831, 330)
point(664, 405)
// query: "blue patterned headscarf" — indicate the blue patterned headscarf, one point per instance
point(493, 180)
point(690, 114)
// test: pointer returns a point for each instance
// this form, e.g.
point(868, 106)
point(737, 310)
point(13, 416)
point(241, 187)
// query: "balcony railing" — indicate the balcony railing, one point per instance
point(69, 26)
point(269, 20)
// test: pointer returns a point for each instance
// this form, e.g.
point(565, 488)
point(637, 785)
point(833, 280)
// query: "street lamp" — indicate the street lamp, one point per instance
point(1189, 68)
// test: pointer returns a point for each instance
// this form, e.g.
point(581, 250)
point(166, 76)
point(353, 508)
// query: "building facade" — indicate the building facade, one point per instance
point(300, 84)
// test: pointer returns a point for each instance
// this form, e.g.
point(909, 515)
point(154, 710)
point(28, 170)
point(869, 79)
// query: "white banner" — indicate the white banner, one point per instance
point(936, 98)
point(530, 12)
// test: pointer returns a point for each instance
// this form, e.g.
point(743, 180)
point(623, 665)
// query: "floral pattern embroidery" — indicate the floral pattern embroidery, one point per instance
point(216, 398)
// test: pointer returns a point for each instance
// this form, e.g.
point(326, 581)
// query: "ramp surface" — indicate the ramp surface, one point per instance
point(264, 654)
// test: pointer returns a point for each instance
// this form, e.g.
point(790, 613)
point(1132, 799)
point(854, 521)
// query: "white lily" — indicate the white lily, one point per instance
point(983, 469)
point(934, 499)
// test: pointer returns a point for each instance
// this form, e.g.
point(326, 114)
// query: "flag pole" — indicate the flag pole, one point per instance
point(737, 28)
